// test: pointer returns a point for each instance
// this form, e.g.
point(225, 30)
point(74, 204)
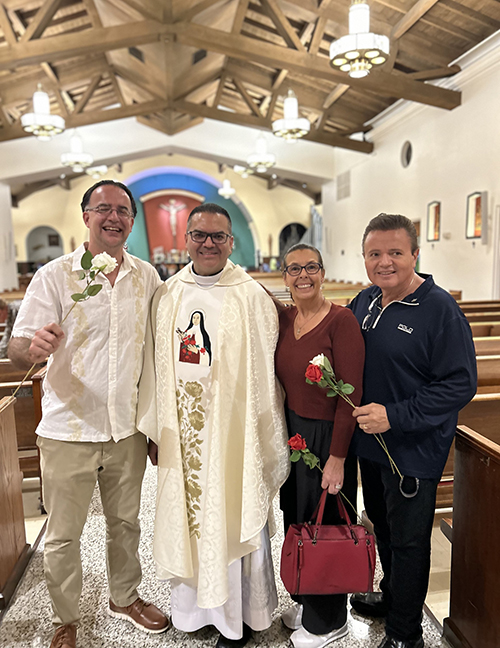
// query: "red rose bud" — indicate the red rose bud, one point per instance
point(314, 373)
point(297, 443)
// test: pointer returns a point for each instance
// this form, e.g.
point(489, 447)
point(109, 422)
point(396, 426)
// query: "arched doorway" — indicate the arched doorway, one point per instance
point(290, 235)
point(43, 244)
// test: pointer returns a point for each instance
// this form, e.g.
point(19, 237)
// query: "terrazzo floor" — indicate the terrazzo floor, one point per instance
point(27, 624)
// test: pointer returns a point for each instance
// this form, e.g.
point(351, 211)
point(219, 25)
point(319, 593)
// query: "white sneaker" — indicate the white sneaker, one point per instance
point(301, 638)
point(292, 618)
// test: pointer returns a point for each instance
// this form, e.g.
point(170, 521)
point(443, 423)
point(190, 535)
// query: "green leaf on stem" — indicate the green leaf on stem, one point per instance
point(327, 365)
point(310, 460)
point(347, 388)
point(93, 290)
point(330, 393)
point(92, 275)
point(78, 297)
point(295, 456)
point(81, 275)
point(86, 260)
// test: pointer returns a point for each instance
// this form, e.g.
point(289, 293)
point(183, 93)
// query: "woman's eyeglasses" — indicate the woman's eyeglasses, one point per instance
point(294, 269)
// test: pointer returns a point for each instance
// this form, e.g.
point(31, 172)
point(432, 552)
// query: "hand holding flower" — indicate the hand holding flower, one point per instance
point(45, 341)
point(372, 418)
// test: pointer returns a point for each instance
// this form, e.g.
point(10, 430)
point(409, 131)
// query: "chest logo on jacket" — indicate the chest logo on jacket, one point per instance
point(406, 329)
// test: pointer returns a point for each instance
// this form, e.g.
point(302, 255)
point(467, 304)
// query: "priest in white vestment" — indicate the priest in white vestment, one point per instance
point(210, 401)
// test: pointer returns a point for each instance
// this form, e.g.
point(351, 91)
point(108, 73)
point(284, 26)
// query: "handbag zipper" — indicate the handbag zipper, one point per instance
point(300, 544)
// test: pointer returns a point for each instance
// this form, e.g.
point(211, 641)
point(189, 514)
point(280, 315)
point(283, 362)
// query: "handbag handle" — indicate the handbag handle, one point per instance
point(317, 517)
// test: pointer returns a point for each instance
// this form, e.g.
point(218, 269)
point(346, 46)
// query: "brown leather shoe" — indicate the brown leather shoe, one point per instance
point(64, 637)
point(145, 616)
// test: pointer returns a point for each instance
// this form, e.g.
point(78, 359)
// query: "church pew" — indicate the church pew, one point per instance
point(489, 345)
point(488, 316)
point(488, 370)
point(480, 306)
point(473, 620)
point(14, 551)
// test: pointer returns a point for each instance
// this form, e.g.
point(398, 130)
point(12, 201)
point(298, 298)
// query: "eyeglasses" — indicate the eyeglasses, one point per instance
point(216, 237)
point(294, 269)
point(106, 210)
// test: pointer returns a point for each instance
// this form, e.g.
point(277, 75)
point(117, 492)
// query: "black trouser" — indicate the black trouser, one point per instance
point(403, 527)
point(298, 498)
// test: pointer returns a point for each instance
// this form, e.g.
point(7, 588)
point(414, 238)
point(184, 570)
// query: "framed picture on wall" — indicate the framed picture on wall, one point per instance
point(433, 220)
point(475, 206)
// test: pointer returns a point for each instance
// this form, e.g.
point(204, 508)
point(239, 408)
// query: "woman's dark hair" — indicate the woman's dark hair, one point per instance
point(301, 246)
point(204, 334)
point(87, 195)
point(386, 222)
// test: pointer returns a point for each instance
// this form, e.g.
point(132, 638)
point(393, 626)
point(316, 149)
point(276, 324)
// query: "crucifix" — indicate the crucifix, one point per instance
point(172, 208)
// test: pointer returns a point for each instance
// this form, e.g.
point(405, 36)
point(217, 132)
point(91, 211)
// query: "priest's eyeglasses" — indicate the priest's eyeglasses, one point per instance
point(294, 269)
point(216, 237)
point(106, 210)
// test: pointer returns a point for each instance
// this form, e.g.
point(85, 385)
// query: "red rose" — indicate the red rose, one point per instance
point(297, 443)
point(203, 350)
point(314, 373)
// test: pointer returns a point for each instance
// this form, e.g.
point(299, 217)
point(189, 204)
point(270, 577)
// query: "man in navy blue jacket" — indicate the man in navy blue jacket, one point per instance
point(420, 370)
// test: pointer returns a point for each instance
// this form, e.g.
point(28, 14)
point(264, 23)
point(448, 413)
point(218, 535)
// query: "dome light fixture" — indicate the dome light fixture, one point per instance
point(226, 191)
point(76, 158)
point(40, 122)
point(261, 160)
point(291, 127)
point(360, 50)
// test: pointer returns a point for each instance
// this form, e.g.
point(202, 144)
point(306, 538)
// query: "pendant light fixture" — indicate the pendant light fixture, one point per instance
point(40, 122)
point(76, 158)
point(226, 191)
point(361, 49)
point(261, 160)
point(291, 127)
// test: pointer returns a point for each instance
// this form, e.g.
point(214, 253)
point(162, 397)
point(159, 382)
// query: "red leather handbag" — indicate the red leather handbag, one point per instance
point(328, 559)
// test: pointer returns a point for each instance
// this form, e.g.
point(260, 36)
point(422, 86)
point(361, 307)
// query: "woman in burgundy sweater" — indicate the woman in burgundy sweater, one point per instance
point(310, 327)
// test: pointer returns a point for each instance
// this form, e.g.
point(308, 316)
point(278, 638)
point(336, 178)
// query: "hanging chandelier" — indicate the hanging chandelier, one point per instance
point(242, 171)
point(291, 127)
point(40, 122)
point(261, 160)
point(360, 50)
point(226, 191)
point(76, 158)
point(97, 172)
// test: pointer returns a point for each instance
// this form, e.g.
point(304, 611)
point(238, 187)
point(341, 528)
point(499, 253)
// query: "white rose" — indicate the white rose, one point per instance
point(318, 360)
point(104, 262)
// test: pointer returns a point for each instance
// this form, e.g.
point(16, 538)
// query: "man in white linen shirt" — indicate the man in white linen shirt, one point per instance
point(210, 400)
point(87, 433)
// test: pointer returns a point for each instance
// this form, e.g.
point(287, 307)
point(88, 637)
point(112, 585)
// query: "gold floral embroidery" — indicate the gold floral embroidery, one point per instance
point(191, 421)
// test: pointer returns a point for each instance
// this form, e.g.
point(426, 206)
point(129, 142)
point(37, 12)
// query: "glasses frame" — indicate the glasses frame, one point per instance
point(304, 267)
point(211, 235)
point(96, 209)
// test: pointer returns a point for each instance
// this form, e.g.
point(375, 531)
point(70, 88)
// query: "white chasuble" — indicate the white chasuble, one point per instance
point(209, 398)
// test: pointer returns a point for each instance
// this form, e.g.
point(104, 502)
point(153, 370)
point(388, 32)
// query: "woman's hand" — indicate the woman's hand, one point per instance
point(333, 474)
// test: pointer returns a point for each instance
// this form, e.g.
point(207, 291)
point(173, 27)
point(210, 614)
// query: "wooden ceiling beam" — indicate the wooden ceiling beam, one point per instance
point(85, 98)
point(282, 24)
point(319, 31)
point(419, 9)
point(94, 41)
point(189, 14)
point(41, 20)
point(334, 95)
point(247, 98)
point(6, 26)
point(221, 115)
point(437, 73)
point(136, 79)
point(471, 14)
point(95, 117)
point(247, 48)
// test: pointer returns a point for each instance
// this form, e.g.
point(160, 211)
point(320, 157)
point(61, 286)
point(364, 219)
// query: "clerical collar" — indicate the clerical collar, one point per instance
point(206, 282)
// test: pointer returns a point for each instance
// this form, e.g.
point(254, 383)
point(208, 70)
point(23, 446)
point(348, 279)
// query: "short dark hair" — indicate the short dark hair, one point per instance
point(209, 208)
point(301, 246)
point(386, 222)
point(87, 195)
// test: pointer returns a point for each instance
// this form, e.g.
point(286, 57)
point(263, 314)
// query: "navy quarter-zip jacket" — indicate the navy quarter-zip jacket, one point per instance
point(421, 365)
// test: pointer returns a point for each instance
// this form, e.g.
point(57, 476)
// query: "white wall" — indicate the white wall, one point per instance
point(8, 267)
point(454, 154)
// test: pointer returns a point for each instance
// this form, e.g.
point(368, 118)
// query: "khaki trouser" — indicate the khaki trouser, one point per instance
point(69, 473)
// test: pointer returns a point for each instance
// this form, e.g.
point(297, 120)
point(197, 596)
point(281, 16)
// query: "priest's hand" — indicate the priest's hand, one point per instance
point(333, 474)
point(153, 452)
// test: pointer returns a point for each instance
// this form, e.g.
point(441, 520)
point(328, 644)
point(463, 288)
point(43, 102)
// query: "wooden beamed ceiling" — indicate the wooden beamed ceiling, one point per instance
point(173, 63)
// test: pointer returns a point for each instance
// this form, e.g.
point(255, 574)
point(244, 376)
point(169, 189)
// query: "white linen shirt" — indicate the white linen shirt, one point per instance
point(90, 389)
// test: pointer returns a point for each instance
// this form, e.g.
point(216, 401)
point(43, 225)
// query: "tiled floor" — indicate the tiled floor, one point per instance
point(27, 622)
